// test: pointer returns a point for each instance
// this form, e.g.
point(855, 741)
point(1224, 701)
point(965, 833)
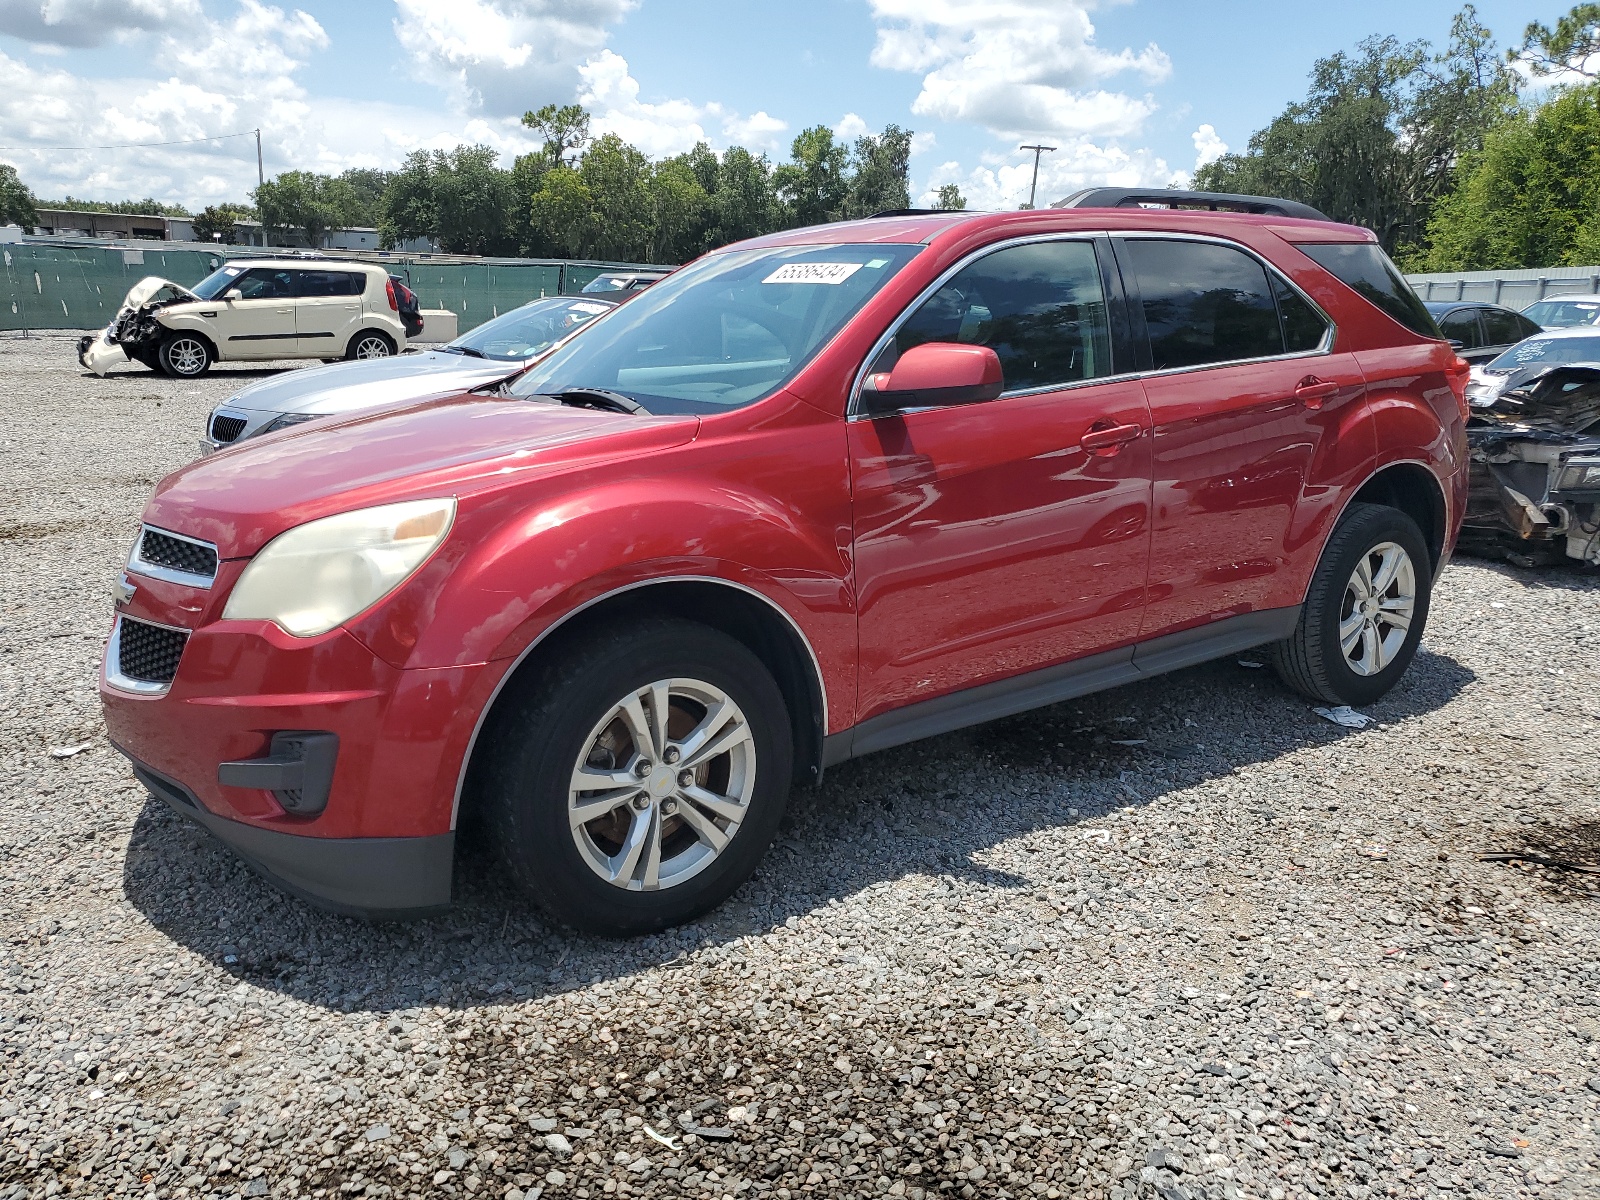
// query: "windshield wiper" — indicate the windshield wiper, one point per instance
point(600, 398)
point(466, 350)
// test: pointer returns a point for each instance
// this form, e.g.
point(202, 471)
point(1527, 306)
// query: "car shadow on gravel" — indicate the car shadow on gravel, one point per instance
point(935, 808)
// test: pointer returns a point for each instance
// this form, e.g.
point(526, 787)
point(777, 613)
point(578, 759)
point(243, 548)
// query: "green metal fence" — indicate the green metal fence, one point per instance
point(64, 286)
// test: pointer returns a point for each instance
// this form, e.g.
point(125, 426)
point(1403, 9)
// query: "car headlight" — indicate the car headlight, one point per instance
point(285, 421)
point(320, 574)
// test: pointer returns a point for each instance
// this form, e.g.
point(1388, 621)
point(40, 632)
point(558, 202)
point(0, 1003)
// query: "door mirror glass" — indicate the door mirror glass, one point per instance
point(935, 375)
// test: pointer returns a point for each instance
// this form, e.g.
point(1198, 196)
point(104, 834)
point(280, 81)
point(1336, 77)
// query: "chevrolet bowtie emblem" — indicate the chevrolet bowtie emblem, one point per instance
point(124, 591)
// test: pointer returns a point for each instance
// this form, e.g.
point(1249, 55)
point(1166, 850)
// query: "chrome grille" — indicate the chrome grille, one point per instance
point(149, 653)
point(225, 428)
point(170, 553)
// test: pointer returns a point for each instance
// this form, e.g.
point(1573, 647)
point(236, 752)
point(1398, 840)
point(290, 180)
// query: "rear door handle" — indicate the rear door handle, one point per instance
point(283, 310)
point(1108, 439)
point(1312, 391)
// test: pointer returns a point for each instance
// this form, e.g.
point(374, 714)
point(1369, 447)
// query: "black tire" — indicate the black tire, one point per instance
point(1311, 660)
point(150, 358)
point(538, 731)
point(185, 355)
point(370, 343)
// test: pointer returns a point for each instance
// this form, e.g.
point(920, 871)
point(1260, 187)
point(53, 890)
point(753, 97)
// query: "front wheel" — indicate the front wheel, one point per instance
point(184, 355)
point(636, 782)
point(1364, 612)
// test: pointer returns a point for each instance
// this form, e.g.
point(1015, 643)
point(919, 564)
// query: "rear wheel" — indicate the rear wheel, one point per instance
point(636, 782)
point(184, 355)
point(1364, 612)
point(369, 343)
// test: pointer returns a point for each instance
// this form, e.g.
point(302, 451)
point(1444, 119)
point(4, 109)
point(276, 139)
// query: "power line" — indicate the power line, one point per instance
point(141, 145)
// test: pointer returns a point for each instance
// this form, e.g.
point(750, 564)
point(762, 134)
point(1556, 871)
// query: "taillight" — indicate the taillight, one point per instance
point(1459, 372)
point(394, 305)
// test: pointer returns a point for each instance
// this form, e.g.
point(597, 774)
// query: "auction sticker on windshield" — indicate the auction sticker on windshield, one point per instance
point(813, 272)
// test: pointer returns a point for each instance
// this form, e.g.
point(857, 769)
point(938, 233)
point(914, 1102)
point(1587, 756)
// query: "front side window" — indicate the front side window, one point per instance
point(1203, 303)
point(1462, 326)
point(1039, 306)
point(724, 332)
point(266, 283)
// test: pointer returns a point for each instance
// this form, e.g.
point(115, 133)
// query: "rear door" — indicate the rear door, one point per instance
point(1249, 406)
point(327, 310)
point(260, 323)
point(1503, 329)
point(988, 541)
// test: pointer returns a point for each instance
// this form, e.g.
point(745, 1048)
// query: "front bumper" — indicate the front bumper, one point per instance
point(375, 878)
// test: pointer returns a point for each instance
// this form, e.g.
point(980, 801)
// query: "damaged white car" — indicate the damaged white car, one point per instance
point(255, 310)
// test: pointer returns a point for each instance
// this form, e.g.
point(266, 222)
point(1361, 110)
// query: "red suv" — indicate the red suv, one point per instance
point(815, 495)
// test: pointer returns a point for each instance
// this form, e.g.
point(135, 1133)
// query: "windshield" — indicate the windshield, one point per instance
point(1560, 314)
point(727, 331)
point(608, 283)
point(529, 330)
point(1536, 350)
point(219, 281)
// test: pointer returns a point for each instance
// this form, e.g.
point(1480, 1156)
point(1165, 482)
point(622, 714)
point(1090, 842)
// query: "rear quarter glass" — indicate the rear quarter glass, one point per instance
point(1367, 270)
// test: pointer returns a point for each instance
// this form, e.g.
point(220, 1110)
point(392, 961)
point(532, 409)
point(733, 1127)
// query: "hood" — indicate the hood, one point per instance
point(150, 288)
point(243, 497)
point(346, 386)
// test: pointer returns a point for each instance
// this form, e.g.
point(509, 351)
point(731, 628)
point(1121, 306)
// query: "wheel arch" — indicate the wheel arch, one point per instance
point(194, 331)
point(350, 346)
point(743, 613)
point(1413, 489)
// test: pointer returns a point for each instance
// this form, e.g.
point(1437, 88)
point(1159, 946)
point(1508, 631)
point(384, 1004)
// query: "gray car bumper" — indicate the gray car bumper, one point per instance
point(374, 878)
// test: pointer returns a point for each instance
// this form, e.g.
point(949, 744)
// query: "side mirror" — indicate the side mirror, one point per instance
point(233, 294)
point(935, 375)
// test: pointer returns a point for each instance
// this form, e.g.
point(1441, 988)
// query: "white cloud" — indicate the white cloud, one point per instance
point(759, 131)
point(849, 127)
point(504, 57)
point(92, 22)
point(1016, 67)
point(1208, 147)
point(1005, 184)
point(921, 143)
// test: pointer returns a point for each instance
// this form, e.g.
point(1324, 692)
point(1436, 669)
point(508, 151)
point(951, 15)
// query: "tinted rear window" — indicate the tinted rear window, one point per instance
point(1364, 267)
point(1203, 303)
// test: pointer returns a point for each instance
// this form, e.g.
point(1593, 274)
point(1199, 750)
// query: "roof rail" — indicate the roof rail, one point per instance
point(911, 212)
point(1110, 197)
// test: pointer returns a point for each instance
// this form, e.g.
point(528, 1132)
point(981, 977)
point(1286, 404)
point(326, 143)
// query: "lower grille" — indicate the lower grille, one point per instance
point(225, 429)
point(149, 653)
point(177, 554)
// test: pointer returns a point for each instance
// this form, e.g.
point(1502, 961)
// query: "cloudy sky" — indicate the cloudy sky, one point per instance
point(1130, 91)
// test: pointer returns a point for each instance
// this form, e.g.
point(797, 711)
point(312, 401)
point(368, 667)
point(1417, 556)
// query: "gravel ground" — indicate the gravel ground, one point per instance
point(1182, 940)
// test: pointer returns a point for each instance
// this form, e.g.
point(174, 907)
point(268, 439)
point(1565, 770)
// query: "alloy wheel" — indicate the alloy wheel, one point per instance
point(1379, 603)
point(663, 784)
point(187, 356)
point(372, 347)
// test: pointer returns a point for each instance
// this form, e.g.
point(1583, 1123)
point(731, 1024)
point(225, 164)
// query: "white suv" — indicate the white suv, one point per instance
point(253, 309)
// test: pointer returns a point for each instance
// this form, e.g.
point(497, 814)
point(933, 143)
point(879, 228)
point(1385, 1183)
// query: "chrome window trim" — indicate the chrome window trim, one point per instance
point(112, 668)
point(138, 566)
point(853, 413)
point(488, 705)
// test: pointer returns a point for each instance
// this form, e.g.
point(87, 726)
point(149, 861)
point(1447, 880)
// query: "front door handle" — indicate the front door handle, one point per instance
point(1108, 439)
point(1312, 391)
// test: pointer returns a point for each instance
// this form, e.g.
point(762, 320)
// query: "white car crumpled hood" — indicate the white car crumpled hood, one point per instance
point(102, 354)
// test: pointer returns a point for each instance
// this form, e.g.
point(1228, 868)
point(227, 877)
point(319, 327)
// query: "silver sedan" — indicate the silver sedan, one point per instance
point(491, 353)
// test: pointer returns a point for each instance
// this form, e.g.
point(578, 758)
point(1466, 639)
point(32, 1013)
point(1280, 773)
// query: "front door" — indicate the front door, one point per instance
point(260, 323)
point(1250, 410)
point(989, 541)
point(327, 311)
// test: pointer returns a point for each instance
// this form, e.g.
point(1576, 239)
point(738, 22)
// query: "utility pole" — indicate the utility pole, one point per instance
point(261, 171)
point(1037, 150)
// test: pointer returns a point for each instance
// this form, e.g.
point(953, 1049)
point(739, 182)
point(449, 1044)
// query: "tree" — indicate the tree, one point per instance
point(565, 130)
point(1567, 47)
point(17, 205)
point(149, 206)
point(950, 199)
point(1379, 137)
point(459, 198)
point(561, 212)
point(216, 222)
point(368, 184)
point(310, 203)
point(744, 203)
point(882, 167)
point(813, 185)
point(1530, 198)
point(617, 177)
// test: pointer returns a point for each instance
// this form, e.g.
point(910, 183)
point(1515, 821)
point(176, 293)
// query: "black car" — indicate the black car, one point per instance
point(1484, 331)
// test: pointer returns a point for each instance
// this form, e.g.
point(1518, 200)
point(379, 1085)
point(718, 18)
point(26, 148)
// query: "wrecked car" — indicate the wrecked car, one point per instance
point(256, 310)
point(1535, 465)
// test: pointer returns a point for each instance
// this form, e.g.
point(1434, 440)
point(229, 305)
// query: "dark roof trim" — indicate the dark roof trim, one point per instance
point(1110, 197)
